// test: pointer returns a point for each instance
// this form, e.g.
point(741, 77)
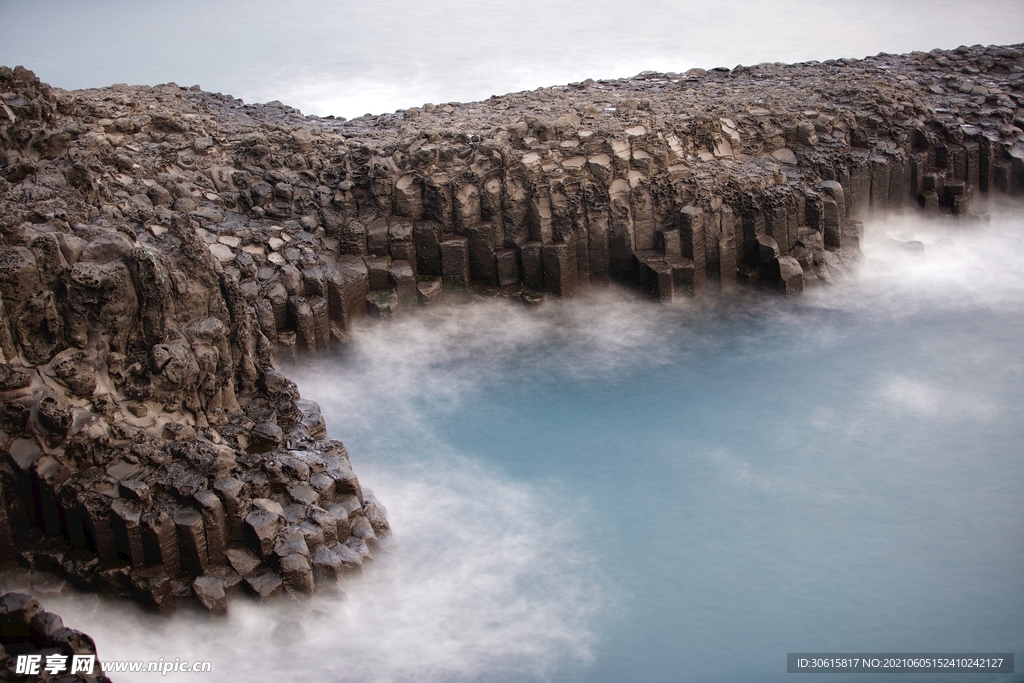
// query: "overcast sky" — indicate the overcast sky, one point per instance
point(348, 58)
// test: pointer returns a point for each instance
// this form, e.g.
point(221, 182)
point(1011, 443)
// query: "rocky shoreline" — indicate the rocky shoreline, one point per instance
point(162, 248)
point(27, 631)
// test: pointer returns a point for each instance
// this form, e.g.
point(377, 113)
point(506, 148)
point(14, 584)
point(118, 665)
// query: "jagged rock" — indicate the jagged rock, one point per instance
point(384, 305)
point(126, 521)
point(269, 505)
point(429, 290)
point(264, 584)
point(290, 541)
point(70, 367)
point(791, 275)
point(455, 262)
point(768, 248)
point(12, 379)
point(376, 515)
point(114, 576)
point(261, 528)
point(209, 591)
point(356, 545)
point(311, 418)
point(362, 530)
point(105, 248)
point(192, 541)
point(297, 573)
point(42, 627)
point(80, 565)
point(231, 579)
point(152, 587)
point(39, 636)
point(16, 613)
point(139, 326)
point(54, 412)
point(243, 560)
point(350, 559)
point(326, 564)
point(266, 436)
point(215, 525)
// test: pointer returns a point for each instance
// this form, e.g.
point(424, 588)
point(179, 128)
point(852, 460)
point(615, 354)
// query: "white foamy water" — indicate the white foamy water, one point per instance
point(610, 489)
point(469, 595)
point(964, 267)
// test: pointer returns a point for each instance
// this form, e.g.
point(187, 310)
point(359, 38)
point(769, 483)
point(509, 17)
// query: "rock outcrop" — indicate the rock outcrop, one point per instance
point(162, 246)
point(150, 447)
point(47, 649)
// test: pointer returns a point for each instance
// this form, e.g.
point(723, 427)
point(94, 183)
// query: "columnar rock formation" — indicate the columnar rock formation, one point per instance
point(150, 446)
point(162, 246)
point(29, 631)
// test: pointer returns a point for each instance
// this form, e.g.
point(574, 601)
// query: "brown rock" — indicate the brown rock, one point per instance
point(209, 591)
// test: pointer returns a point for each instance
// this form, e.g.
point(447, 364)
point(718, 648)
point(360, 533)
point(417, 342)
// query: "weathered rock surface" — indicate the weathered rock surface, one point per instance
point(147, 440)
point(161, 246)
point(45, 645)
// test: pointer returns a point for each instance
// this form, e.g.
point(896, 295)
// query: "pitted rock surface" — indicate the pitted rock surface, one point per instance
point(144, 421)
point(161, 248)
point(27, 630)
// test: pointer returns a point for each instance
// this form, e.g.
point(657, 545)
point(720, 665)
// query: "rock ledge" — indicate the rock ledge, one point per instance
point(161, 247)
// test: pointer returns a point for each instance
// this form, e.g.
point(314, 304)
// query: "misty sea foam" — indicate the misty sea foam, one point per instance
point(609, 489)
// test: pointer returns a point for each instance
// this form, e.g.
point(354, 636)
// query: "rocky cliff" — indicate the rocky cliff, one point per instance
point(47, 649)
point(150, 446)
point(162, 246)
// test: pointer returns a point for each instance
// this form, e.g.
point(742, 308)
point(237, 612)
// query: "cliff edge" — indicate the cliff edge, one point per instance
point(161, 248)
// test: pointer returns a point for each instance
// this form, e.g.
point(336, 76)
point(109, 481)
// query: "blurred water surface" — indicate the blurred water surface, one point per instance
point(608, 489)
point(727, 482)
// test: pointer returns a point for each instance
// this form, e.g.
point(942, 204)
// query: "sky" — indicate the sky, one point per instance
point(349, 58)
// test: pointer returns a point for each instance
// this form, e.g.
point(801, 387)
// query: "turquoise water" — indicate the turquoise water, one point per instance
point(609, 489)
point(732, 481)
point(754, 497)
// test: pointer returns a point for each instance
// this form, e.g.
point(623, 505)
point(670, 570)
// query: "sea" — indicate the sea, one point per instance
point(607, 489)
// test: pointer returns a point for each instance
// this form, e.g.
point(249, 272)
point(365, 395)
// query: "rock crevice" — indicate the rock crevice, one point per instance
point(161, 248)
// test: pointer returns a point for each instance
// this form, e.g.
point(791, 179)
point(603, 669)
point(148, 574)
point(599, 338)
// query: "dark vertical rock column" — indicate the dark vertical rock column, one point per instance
point(7, 550)
point(879, 188)
point(833, 218)
point(728, 248)
point(455, 262)
point(483, 265)
point(622, 240)
point(691, 238)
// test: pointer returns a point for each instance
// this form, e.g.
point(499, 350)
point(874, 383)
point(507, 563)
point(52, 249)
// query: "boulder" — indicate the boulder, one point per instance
point(243, 560)
point(209, 591)
point(264, 584)
point(16, 613)
point(261, 529)
point(152, 588)
point(297, 573)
